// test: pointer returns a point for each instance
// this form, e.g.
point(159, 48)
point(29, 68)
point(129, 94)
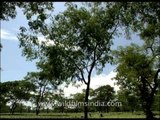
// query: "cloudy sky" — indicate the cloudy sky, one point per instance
point(15, 67)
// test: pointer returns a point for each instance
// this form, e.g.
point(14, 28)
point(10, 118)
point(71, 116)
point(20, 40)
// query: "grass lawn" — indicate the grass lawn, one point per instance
point(77, 115)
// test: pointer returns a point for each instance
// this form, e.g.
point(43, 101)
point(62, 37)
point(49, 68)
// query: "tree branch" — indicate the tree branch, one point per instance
point(87, 66)
point(109, 38)
point(79, 70)
point(94, 61)
point(149, 84)
point(151, 47)
point(83, 77)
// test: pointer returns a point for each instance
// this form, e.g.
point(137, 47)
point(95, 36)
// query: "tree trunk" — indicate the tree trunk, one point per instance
point(62, 109)
point(12, 111)
point(21, 110)
point(107, 107)
point(149, 114)
point(13, 108)
point(28, 110)
point(86, 100)
point(77, 109)
point(47, 110)
point(149, 97)
point(37, 111)
point(87, 90)
point(21, 107)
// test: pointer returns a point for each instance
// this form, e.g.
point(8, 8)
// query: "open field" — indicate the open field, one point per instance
point(77, 115)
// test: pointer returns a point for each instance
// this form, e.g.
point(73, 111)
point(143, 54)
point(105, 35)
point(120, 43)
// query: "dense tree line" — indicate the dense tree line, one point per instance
point(21, 97)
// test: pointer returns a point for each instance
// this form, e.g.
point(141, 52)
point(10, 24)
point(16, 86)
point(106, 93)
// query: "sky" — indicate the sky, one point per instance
point(15, 67)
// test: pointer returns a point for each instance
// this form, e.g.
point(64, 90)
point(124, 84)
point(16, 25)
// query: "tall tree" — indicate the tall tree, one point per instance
point(136, 71)
point(78, 97)
point(82, 38)
point(127, 97)
point(3, 91)
point(143, 18)
point(16, 91)
point(48, 100)
point(43, 85)
point(61, 99)
point(104, 94)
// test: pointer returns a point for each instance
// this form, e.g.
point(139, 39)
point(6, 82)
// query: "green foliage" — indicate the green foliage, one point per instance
point(133, 63)
point(136, 72)
point(42, 87)
point(8, 10)
point(130, 100)
point(18, 90)
point(35, 12)
point(30, 9)
point(104, 93)
point(15, 92)
point(143, 18)
point(82, 39)
point(79, 97)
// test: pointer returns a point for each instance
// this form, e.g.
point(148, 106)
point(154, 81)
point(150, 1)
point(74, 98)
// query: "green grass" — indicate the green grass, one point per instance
point(77, 115)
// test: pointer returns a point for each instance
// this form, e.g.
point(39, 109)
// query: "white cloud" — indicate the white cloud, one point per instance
point(99, 80)
point(96, 81)
point(7, 35)
point(47, 42)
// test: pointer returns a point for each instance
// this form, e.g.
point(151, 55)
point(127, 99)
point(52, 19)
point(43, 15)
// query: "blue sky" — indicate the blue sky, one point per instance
point(15, 67)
